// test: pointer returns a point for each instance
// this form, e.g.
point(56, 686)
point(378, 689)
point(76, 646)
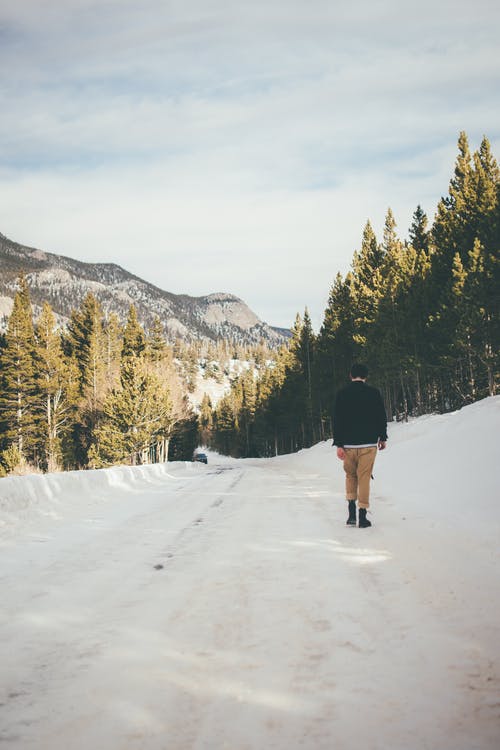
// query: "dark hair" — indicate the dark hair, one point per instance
point(359, 371)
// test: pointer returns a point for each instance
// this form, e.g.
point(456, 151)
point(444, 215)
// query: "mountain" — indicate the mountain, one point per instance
point(64, 282)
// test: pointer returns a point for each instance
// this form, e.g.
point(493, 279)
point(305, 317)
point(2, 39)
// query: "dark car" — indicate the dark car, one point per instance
point(201, 457)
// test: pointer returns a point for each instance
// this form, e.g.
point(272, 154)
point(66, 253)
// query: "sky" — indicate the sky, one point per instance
point(216, 146)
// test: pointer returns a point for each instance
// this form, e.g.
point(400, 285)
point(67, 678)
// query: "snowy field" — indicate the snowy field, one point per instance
point(184, 606)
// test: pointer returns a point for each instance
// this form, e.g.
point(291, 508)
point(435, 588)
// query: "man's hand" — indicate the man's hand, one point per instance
point(381, 445)
point(341, 453)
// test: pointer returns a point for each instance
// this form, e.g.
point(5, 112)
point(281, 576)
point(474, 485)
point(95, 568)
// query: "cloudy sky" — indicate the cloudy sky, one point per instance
point(218, 145)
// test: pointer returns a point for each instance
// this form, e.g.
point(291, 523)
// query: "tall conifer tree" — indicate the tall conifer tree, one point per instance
point(18, 372)
point(419, 234)
point(134, 339)
point(136, 417)
point(86, 345)
point(57, 387)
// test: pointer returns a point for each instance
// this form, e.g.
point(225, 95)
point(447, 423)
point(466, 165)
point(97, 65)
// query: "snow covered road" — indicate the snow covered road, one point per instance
point(229, 606)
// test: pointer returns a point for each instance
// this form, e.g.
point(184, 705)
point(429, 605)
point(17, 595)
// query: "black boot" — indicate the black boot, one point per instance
point(363, 521)
point(351, 521)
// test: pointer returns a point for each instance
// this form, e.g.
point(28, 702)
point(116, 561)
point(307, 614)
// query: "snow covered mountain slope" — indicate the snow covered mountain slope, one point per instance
point(64, 282)
point(188, 606)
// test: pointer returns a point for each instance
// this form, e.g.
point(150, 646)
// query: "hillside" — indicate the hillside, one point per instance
point(64, 282)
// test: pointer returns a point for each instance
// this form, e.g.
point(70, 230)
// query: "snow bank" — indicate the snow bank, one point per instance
point(28, 498)
point(437, 464)
point(446, 465)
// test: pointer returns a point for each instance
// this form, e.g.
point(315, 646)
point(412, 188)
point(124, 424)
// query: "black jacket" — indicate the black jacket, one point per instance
point(359, 417)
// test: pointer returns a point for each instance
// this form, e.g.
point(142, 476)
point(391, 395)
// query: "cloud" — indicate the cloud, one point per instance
point(235, 146)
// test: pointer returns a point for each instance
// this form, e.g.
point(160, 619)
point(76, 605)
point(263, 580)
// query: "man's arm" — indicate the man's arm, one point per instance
point(338, 421)
point(338, 426)
point(381, 422)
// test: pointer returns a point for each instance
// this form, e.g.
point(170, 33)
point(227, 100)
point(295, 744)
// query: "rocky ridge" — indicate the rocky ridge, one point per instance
point(64, 283)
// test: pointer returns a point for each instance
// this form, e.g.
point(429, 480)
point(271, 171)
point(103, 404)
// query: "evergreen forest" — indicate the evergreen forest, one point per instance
point(422, 313)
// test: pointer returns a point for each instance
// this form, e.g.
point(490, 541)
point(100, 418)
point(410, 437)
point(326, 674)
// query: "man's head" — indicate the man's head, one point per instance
point(359, 371)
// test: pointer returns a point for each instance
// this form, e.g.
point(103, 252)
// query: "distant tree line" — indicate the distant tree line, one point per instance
point(422, 313)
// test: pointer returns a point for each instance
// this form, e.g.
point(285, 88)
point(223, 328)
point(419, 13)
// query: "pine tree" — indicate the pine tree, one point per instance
point(413, 314)
point(366, 285)
point(474, 337)
point(85, 342)
point(247, 411)
point(486, 182)
point(305, 354)
point(157, 346)
point(134, 339)
point(205, 420)
point(184, 438)
point(136, 417)
point(56, 388)
point(370, 258)
point(484, 262)
point(293, 392)
point(454, 227)
point(270, 422)
point(113, 333)
point(337, 348)
point(18, 368)
point(418, 233)
point(226, 426)
point(86, 347)
point(386, 349)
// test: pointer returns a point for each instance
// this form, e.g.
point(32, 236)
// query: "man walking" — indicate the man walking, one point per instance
point(360, 427)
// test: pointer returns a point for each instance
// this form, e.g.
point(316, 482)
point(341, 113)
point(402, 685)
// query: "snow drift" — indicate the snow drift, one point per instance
point(29, 499)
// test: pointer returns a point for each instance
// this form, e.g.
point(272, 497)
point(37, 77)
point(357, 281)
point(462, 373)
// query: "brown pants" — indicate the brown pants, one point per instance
point(358, 465)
